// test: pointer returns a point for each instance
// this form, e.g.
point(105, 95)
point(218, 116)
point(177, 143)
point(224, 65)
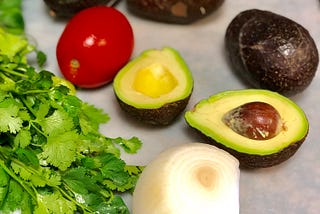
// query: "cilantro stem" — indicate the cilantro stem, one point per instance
point(23, 100)
point(33, 113)
point(107, 194)
point(7, 83)
point(84, 208)
point(7, 70)
point(31, 191)
point(36, 91)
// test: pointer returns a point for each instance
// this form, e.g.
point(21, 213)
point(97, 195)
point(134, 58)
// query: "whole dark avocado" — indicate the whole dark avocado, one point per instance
point(271, 51)
point(67, 8)
point(173, 11)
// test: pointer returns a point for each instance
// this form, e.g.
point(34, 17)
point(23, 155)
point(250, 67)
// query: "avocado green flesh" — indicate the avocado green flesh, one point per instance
point(206, 118)
point(166, 60)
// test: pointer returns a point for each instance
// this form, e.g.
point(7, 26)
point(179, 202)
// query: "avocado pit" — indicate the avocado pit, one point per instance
point(255, 120)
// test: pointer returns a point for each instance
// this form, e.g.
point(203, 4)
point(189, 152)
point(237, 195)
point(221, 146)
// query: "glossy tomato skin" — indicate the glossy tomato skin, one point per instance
point(94, 45)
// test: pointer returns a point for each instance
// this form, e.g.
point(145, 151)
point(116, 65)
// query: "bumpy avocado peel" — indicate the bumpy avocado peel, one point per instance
point(174, 11)
point(68, 8)
point(271, 51)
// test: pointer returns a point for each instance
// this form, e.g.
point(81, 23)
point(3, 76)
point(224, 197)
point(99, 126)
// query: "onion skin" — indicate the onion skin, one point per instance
point(187, 179)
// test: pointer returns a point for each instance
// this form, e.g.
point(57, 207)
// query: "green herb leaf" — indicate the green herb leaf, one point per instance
point(58, 122)
point(131, 145)
point(94, 115)
point(22, 139)
point(11, 16)
point(61, 149)
point(9, 121)
point(54, 203)
point(53, 159)
point(16, 199)
point(81, 181)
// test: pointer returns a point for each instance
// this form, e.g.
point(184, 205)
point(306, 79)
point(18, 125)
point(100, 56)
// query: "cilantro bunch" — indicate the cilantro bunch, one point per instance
point(53, 159)
point(11, 17)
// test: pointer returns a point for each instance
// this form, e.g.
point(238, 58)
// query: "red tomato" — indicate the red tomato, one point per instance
point(94, 45)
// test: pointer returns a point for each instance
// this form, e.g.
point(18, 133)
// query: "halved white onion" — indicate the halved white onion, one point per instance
point(193, 178)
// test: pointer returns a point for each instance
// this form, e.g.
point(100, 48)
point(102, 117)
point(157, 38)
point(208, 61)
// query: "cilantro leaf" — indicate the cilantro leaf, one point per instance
point(41, 58)
point(16, 199)
point(116, 206)
point(27, 156)
point(57, 123)
point(134, 170)
point(61, 150)
point(80, 180)
point(38, 177)
point(4, 185)
point(131, 145)
point(9, 120)
point(53, 159)
point(54, 203)
point(22, 139)
point(11, 16)
point(113, 169)
point(91, 118)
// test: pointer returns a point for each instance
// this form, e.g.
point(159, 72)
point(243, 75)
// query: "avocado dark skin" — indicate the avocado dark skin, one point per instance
point(271, 51)
point(253, 161)
point(67, 8)
point(173, 11)
point(162, 116)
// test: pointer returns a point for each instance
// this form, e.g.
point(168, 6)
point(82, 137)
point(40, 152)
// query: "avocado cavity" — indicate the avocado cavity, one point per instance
point(154, 81)
point(155, 86)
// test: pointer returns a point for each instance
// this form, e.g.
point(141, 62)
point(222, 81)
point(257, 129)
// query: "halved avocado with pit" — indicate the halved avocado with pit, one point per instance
point(208, 117)
point(155, 87)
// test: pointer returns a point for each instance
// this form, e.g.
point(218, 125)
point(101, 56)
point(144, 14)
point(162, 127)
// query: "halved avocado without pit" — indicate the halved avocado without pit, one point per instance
point(259, 127)
point(155, 87)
